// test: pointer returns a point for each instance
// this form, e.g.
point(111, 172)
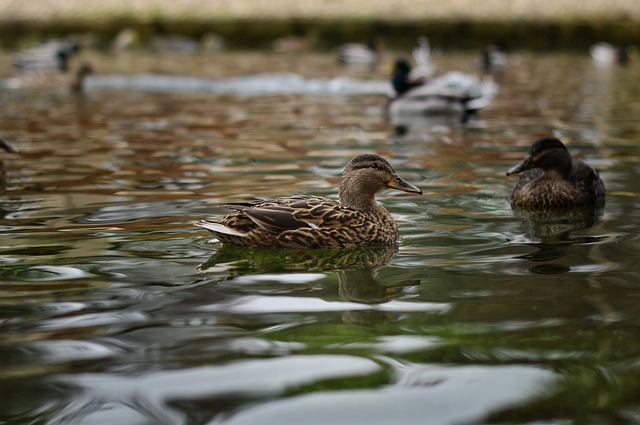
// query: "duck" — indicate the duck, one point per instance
point(310, 222)
point(293, 43)
point(549, 179)
point(454, 94)
point(75, 81)
point(53, 55)
point(494, 58)
point(402, 79)
point(359, 54)
point(604, 54)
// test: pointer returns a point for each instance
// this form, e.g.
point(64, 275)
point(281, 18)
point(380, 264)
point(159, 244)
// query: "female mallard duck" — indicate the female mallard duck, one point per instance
point(550, 180)
point(304, 221)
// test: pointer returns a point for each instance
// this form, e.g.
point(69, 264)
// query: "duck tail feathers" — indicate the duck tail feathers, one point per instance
point(215, 227)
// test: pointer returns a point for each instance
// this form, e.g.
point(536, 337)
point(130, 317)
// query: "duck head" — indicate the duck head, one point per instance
point(548, 154)
point(365, 175)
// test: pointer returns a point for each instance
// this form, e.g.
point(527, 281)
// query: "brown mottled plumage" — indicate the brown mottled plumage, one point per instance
point(550, 180)
point(304, 221)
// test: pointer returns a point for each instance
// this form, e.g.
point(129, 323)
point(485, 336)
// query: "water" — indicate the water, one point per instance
point(116, 309)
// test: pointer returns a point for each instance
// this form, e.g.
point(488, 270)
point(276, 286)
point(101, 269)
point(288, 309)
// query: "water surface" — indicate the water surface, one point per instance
point(116, 309)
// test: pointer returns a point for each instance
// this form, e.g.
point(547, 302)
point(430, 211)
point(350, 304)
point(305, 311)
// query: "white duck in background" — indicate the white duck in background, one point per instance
point(605, 53)
point(359, 54)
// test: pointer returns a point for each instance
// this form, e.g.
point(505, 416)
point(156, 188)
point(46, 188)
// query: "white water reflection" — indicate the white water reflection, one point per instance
point(247, 379)
point(258, 84)
point(438, 396)
point(282, 304)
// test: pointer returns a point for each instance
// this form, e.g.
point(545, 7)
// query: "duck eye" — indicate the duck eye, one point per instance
point(374, 166)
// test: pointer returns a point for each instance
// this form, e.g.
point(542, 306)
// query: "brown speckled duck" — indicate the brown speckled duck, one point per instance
point(550, 180)
point(304, 221)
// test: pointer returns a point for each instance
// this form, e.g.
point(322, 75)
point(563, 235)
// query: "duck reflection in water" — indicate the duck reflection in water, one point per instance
point(555, 196)
point(356, 269)
point(551, 231)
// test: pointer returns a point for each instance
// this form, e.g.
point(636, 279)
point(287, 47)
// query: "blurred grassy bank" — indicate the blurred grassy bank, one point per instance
point(557, 24)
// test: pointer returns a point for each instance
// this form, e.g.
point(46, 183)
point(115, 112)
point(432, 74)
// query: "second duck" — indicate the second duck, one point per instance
point(549, 179)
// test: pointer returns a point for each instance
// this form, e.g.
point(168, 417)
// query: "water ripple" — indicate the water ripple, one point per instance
point(51, 273)
point(254, 304)
point(441, 396)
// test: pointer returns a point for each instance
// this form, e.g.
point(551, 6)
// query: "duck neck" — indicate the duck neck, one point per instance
point(562, 168)
point(557, 175)
point(357, 196)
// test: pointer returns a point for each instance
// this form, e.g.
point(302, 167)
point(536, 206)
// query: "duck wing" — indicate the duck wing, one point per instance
point(280, 215)
point(588, 182)
point(452, 85)
point(302, 221)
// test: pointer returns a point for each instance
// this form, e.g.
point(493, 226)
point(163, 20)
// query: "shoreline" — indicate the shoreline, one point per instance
point(382, 10)
point(458, 24)
point(259, 33)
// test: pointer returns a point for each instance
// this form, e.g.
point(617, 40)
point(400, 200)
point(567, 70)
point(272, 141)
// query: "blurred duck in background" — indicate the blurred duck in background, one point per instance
point(51, 56)
point(606, 53)
point(294, 43)
point(494, 58)
point(360, 54)
point(402, 79)
point(421, 99)
point(47, 66)
point(74, 81)
point(454, 94)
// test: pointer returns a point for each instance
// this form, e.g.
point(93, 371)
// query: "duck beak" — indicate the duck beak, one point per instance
point(399, 184)
point(523, 166)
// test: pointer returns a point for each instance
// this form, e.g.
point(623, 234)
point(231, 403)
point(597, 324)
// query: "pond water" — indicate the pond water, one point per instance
point(116, 309)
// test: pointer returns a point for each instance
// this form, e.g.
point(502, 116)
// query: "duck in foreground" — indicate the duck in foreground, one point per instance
point(304, 221)
point(550, 180)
